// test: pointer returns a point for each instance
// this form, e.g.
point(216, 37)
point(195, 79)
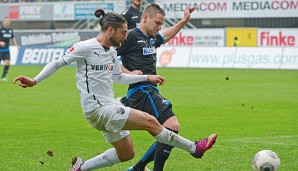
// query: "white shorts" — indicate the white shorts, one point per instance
point(110, 119)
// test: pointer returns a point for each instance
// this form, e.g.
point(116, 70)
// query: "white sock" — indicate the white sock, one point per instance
point(173, 139)
point(108, 158)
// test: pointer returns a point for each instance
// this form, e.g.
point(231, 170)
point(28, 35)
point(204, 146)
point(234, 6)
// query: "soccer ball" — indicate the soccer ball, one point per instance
point(266, 160)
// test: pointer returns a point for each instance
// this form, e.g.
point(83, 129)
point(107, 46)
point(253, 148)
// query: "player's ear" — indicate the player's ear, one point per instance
point(111, 30)
point(145, 17)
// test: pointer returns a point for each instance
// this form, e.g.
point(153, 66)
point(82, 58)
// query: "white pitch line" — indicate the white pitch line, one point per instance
point(262, 138)
point(269, 143)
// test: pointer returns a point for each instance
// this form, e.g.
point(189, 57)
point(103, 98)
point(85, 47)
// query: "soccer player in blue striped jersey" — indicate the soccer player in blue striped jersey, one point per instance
point(139, 57)
point(6, 33)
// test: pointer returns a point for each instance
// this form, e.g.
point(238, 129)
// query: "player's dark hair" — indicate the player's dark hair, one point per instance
point(153, 9)
point(5, 17)
point(109, 19)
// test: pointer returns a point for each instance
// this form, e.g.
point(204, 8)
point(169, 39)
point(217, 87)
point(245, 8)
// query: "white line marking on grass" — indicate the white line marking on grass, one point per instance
point(261, 138)
point(278, 140)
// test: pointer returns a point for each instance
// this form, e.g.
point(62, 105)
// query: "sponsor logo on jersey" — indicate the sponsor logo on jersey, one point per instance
point(166, 102)
point(107, 67)
point(96, 53)
point(149, 50)
point(6, 35)
point(152, 41)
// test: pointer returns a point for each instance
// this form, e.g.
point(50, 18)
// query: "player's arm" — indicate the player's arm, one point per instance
point(14, 41)
point(135, 72)
point(46, 72)
point(76, 52)
point(2, 44)
point(172, 31)
point(124, 78)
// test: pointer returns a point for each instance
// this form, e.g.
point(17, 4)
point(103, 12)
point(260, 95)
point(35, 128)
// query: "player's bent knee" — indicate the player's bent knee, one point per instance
point(125, 155)
point(175, 127)
point(172, 123)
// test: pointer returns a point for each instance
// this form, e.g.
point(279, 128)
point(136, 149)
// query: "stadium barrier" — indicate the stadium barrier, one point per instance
point(184, 57)
point(228, 57)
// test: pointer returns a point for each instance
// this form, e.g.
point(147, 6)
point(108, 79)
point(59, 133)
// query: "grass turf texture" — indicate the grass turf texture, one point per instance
point(252, 111)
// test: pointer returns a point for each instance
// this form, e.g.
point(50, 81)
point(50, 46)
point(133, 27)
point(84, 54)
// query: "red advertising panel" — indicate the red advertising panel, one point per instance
point(13, 12)
point(278, 37)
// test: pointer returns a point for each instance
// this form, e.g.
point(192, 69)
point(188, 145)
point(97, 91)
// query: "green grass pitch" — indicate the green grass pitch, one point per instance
point(251, 111)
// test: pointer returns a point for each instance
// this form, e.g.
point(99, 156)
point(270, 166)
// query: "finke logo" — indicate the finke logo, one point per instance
point(268, 39)
point(182, 40)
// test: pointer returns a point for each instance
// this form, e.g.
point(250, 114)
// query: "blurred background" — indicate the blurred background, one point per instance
point(221, 34)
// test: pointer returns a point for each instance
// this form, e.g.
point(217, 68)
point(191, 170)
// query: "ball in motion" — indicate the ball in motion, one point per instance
point(265, 160)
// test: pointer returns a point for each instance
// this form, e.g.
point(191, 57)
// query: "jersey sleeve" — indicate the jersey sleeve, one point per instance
point(49, 70)
point(127, 17)
point(123, 78)
point(76, 52)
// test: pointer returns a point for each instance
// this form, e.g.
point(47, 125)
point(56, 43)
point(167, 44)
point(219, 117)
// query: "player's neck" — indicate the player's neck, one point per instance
point(138, 7)
point(103, 40)
point(142, 28)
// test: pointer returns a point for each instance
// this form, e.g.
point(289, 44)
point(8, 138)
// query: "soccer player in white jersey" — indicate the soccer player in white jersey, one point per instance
point(97, 69)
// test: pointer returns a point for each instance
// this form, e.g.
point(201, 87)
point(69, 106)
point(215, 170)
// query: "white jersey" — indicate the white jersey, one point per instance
point(97, 69)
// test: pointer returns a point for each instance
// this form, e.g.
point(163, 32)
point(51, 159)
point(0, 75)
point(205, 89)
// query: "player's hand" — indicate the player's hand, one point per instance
point(2, 44)
point(25, 81)
point(187, 12)
point(136, 72)
point(156, 79)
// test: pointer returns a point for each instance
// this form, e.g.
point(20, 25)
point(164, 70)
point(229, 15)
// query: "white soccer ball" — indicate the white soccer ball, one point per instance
point(266, 160)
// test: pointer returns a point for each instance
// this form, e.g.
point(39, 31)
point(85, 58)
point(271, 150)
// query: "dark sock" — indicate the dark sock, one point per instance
point(148, 157)
point(162, 153)
point(5, 71)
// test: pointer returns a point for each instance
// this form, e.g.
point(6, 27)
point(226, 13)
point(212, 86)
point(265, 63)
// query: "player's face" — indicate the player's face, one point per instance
point(6, 22)
point(137, 2)
point(153, 24)
point(119, 36)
